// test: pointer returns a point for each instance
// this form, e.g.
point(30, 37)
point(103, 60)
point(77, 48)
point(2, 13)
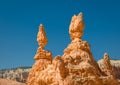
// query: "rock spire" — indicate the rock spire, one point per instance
point(76, 26)
point(43, 57)
point(75, 67)
point(41, 37)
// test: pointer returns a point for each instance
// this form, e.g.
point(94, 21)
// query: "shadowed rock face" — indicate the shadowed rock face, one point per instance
point(75, 67)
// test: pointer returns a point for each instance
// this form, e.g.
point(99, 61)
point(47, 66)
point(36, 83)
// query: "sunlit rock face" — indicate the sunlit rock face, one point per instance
point(75, 67)
point(43, 58)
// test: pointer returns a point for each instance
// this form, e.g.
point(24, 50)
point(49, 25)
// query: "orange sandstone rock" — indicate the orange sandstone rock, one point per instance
point(76, 26)
point(41, 37)
point(107, 67)
point(75, 67)
point(43, 58)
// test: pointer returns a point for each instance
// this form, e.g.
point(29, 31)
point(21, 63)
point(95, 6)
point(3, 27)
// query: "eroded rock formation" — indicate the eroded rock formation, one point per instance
point(42, 58)
point(107, 67)
point(110, 67)
point(75, 67)
point(76, 27)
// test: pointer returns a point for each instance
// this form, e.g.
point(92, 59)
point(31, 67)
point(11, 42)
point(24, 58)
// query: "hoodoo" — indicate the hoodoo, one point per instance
point(75, 67)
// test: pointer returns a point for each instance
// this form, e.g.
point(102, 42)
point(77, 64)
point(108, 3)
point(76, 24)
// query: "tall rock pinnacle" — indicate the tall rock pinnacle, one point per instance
point(42, 58)
point(76, 26)
point(41, 37)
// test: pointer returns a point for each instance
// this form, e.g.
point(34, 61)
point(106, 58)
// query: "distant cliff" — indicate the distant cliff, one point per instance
point(19, 74)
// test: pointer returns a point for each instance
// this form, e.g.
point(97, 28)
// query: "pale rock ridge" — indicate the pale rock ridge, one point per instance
point(16, 74)
point(75, 67)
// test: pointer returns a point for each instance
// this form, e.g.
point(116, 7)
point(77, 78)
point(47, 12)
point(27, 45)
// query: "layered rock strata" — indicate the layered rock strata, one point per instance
point(16, 74)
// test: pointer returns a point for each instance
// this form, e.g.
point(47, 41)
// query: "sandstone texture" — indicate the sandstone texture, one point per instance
point(75, 67)
point(43, 58)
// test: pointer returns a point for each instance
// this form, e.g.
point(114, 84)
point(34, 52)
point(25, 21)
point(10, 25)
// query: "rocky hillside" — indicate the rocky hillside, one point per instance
point(19, 74)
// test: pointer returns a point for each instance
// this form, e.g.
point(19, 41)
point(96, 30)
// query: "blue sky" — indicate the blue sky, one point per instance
point(19, 21)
